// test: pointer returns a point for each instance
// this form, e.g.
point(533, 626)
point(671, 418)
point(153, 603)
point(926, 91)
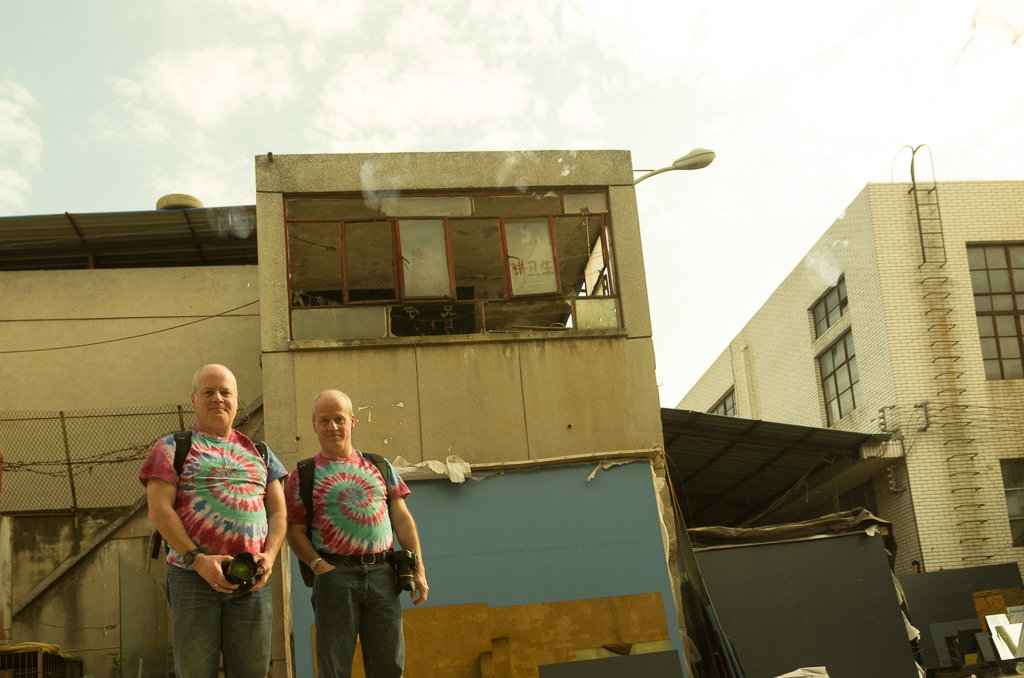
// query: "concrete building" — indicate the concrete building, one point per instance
point(904, 319)
point(487, 306)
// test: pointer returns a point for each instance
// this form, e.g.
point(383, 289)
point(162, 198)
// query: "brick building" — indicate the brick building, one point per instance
point(905, 318)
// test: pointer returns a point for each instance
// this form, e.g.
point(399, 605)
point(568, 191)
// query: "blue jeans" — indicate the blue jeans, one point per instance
point(205, 623)
point(358, 600)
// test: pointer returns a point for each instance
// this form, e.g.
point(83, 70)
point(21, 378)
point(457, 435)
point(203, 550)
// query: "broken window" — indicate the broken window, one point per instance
point(450, 264)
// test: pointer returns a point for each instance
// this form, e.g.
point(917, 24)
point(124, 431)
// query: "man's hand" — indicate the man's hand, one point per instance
point(419, 580)
point(265, 565)
point(210, 569)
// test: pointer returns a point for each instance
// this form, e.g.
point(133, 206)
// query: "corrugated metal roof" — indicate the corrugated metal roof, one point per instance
point(205, 236)
point(726, 470)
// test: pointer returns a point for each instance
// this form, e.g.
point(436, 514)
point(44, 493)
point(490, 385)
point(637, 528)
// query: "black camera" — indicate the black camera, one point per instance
point(241, 570)
point(405, 564)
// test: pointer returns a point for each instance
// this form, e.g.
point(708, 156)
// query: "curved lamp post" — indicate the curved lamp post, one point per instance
point(695, 159)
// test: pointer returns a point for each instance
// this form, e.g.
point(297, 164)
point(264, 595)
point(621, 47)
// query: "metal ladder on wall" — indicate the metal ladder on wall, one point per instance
point(948, 414)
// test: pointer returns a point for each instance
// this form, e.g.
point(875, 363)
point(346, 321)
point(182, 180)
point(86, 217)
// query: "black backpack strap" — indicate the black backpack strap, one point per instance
point(382, 465)
point(182, 445)
point(261, 447)
point(305, 470)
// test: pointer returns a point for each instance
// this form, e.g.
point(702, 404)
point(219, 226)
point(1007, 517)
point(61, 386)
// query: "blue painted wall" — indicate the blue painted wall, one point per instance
point(531, 537)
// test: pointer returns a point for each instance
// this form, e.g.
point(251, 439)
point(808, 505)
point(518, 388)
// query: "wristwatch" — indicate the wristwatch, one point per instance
point(313, 563)
point(191, 556)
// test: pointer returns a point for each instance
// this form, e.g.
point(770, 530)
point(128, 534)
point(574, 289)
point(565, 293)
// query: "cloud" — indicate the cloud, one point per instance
point(214, 173)
point(21, 145)
point(379, 103)
point(322, 18)
point(206, 87)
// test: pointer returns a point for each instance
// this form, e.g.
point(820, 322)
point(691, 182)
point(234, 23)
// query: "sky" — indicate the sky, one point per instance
point(105, 106)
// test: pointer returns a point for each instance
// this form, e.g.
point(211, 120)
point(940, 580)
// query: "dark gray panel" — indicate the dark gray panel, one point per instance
point(653, 665)
point(823, 602)
point(937, 599)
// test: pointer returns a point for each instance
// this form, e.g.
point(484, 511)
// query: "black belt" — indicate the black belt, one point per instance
point(359, 558)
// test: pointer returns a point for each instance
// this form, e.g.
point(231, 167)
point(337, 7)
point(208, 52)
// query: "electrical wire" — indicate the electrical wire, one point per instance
point(134, 336)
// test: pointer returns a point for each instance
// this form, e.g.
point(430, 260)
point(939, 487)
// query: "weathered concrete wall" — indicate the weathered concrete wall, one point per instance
point(80, 612)
point(49, 309)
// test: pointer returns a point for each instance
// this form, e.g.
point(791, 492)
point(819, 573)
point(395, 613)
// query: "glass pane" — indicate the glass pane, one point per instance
point(999, 280)
point(370, 261)
point(1013, 473)
point(820, 327)
point(531, 263)
point(344, 208)
point(826, 364)
point(1002, 302)
point(995, 257)
point(1017, 531)
point(1017, 256)
point(1009, 348)
point(353, 322)
point(989, 348)
point(838, 354)
point(979, 282)
point(832, 410)
point(976, 258)
point(1015, 503)
point(424, 258)
point(846, 402)
point(449, 206)
point(594, 202)
point(1006, 325)
point(985, 326)
point(842, 289)
point(829, 388)
point(1018, 279)
point(314, 263)
point(992, 370)
point(476, 256)
point(832, 302)
point(1013, 369)
point(982, 303)
point(508, 205)
point(597, 272)
point(596, 313)
point(856, 393)
point(819, 314)
point(854, 375)
point(849, 346)
point(842, 378)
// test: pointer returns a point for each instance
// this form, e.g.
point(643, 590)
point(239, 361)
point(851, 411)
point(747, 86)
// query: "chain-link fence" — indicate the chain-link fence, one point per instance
point(71, 460)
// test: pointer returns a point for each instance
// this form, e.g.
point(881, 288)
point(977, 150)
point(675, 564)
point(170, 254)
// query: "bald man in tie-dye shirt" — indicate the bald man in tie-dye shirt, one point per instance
point(226, 502)
point(355, 591)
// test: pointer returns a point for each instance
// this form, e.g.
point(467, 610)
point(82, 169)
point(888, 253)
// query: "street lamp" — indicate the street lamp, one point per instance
point(695, 159)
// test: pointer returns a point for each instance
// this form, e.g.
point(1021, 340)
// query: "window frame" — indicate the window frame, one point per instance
point(598, 263)
point(1016, 522)
point(853, 375)
point(723, 404)
point(842, 302)
point(996, 345)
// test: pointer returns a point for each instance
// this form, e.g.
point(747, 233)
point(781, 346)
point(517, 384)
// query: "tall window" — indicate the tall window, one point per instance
point(727, 405)
point(1013, 485)
point(997, 275)
point(462, 263)
point(840, 381)
point(830, 308)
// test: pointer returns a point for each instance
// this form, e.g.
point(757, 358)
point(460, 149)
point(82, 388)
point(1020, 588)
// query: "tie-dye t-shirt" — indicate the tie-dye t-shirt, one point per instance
point(351, 515)
point(220, 492)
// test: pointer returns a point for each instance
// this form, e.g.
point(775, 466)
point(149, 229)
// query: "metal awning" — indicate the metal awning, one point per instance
point(205, 236)
point(726, 470)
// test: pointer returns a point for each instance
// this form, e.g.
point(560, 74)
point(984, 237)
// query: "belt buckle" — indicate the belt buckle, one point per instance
point(363, 561)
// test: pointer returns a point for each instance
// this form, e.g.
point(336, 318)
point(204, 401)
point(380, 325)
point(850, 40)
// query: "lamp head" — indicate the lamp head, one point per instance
point(695, 159)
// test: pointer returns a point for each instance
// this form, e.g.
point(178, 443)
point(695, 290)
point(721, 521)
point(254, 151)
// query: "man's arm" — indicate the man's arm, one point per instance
point(303, 548)
point(160, 495)
point(277, 525)
point(409, 538)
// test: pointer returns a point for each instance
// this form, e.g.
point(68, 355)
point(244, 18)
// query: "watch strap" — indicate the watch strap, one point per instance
point(190, 557)
point(313, 563)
